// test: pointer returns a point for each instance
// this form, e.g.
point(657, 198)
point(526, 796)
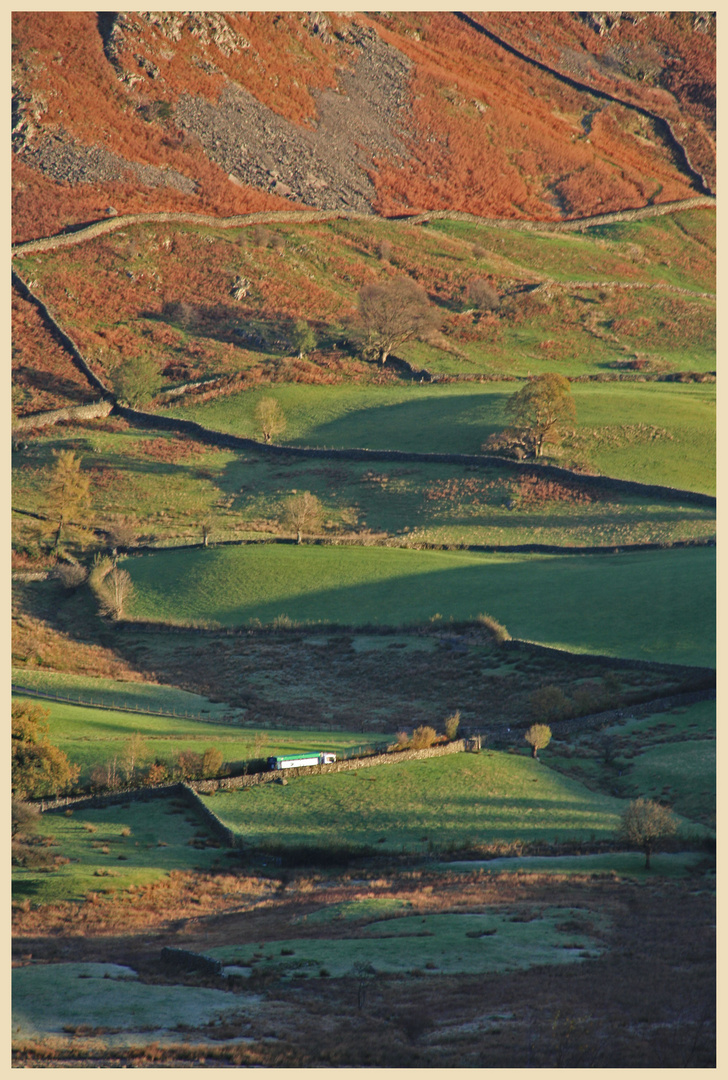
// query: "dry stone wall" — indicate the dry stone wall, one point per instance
point(97, 410)
point(219, 438)
point(235, 783)
point(100, 228)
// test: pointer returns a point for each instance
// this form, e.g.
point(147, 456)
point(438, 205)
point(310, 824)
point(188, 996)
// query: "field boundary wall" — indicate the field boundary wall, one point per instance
point(108, 225)
point(661, 122)
point(235, 783)
point(95, 411)
point(240, 442)
point(492, 549)
point(193, 788)
point(575, 724)
point(60, 335)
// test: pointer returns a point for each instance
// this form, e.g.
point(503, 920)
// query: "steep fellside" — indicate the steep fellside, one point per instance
point(242, 112)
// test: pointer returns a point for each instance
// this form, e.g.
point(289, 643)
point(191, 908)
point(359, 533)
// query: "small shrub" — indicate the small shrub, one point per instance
point(71, 575)
point(155, 774)
point(549, 703)
point(211, 761)
point(482, 295)
point(538, 736)
point(261, 236)
point(497, 630)
point(423, 737)
point(452, 723)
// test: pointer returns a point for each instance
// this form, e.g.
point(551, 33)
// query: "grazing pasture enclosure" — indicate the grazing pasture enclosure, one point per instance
point(166, 488)
point(654, 432)
point(465, 801)
point(116, 848)
point(647, 605)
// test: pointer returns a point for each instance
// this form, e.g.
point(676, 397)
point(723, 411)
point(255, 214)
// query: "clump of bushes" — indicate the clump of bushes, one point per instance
point(497, 630)
point(452, 723)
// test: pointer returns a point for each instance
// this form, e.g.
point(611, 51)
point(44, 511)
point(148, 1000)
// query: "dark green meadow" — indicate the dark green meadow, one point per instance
point(647, 605)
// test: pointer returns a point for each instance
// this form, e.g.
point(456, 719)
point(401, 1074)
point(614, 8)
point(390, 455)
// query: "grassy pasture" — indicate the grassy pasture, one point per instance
point(668, 755)
point(241, 495)
point(162, 836)
point(446, 944)
point(650, 605)
point(96, 736)
point(144, 696)
point(440, 804)
point(643, 250)
point(665, 433)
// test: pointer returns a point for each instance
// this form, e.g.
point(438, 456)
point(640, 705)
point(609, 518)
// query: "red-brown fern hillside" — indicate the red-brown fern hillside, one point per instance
point(503, 137)
point(236, 112)
point(661, 61)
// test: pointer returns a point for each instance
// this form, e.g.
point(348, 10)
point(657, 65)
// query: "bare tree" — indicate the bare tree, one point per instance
point(112, 586)
point(133, 753)
point(270, 417)
point(395, 312)
point(302, 513)
point(480, 293)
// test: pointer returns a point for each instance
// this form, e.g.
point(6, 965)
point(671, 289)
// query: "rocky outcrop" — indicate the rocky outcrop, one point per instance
point(327, 167)
point(68, 161)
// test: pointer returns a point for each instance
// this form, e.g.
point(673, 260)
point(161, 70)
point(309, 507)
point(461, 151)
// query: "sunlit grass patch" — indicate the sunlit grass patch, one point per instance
point(446, 944)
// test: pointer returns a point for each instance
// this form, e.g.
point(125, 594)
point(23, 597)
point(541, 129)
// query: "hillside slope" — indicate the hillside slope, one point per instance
point(236, 112)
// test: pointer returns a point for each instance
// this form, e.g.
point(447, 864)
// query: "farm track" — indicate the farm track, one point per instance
point(661, 123)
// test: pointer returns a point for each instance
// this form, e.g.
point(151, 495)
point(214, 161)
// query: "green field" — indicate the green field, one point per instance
point(650, 605)
point(93, 737)
point(652, 432)
point(54, 999)
point(140, 696)
point(441, 804)
point(241, 495)
point(446, 944)
point(669, 755)
point(163, 835)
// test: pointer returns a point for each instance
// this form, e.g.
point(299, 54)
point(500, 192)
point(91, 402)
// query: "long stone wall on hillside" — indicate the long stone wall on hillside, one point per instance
point(100, 228)
point(235, 783)
point(190, 788)
point(60, 335)
point(662, 123)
